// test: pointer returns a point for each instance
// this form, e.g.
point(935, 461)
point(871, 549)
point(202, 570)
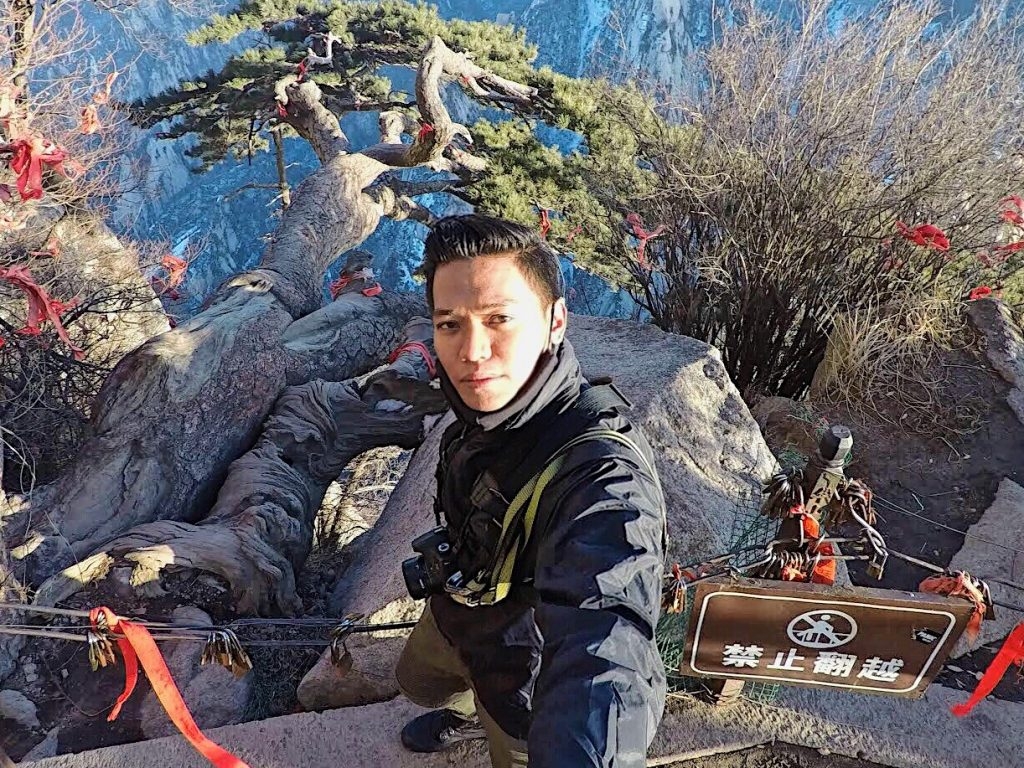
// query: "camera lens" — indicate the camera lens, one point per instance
point(443, 548)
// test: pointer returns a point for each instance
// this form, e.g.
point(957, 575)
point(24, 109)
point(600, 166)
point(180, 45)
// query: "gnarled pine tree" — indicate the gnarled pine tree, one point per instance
point(213, 443)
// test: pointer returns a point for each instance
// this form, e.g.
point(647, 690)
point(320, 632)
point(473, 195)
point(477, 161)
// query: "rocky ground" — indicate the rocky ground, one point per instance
point(930, 485)
point(775, 756)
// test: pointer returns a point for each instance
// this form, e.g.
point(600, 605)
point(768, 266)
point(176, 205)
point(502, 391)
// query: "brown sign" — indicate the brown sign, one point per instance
point(870, 640)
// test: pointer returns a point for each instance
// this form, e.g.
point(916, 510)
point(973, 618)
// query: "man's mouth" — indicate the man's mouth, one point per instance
point(478, 379)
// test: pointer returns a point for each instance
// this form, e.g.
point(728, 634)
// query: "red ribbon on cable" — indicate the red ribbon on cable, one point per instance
point(138, 646)
point(1012, 652)
point(636, 224)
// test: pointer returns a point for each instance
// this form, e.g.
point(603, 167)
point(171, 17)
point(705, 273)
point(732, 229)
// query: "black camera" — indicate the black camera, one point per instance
point(427, 572)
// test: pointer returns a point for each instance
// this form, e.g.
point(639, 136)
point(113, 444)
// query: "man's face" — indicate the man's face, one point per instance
point(490, 328)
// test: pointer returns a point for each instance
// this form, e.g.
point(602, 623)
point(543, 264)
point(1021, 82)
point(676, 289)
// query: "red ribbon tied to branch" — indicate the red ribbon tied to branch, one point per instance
point(41, 306)
point(175, 268)
point(419, 348)
point(925, 235)
point(136, 646)
point(90, 120)
point(1014, 212)
point(28, 157)
point(366, 274)
point(545, 222)
point(636, 224)
point(425, 130)
point(103, 97)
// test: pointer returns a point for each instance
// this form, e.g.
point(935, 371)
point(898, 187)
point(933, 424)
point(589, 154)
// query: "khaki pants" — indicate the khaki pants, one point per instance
point(431, 674)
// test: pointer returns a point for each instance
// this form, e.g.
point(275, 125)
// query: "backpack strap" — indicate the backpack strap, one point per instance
point(600, 397)
point(521, 515)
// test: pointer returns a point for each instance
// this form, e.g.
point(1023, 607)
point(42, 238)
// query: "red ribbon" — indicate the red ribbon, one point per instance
point(981, 292)
point(337, 286)
point(641, 234)
point(824, 571)
point(425, 130)
point(136, 646)
point(103, 97)
point(41, 306)
point(1012, 652)
point(925, 235)
point(90, 120)
point(27, 162)
point(545, 223)
point(421, 348)
point(959, 584)
point(1010, 215)
point(176, 268)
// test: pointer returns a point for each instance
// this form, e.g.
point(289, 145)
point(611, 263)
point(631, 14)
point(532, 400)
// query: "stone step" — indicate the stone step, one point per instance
point(886, 730)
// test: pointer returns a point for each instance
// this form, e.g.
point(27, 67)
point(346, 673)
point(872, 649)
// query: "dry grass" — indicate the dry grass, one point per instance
point(883, 358)
point(353, 504)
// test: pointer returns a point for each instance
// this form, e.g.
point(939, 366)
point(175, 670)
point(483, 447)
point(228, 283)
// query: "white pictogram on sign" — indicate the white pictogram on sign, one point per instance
point(822, 629)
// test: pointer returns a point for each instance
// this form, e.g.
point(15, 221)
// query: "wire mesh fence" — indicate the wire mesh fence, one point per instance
point(749, 529)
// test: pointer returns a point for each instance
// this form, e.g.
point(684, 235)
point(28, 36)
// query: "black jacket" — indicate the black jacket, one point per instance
point(568, 660)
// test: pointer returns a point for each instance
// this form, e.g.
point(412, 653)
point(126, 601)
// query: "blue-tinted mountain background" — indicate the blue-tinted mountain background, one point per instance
point(224, 224)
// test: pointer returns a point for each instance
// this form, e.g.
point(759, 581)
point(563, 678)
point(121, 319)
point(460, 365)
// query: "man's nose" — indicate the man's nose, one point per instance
point(476, 344)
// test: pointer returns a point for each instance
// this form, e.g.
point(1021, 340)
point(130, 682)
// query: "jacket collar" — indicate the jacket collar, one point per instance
point(556, 379)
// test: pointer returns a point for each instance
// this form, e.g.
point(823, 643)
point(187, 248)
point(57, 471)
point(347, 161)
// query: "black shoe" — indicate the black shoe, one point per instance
point(439, 730)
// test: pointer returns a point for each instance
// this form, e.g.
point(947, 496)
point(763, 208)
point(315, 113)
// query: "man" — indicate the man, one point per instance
point(564, 667)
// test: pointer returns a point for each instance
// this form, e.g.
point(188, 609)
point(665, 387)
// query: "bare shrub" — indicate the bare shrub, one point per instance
point(803, 152)
point(52, 236)
point(355, 501)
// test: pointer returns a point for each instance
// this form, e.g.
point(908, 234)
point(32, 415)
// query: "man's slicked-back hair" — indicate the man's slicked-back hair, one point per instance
point(462, 238)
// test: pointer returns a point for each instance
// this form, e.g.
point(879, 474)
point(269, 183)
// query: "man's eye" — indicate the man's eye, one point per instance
point(446, 325)
point(499, 319)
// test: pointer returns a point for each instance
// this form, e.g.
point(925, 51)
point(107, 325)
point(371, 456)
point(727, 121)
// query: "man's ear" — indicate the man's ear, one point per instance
point(559, 318)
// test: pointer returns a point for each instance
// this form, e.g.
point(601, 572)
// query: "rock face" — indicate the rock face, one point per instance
point(711, 458)
point(213, 695)
point(711, 455)
point(599, 37)
point(327, 686)
point(18, 707)
point(992, 548)
point(1004, 346)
